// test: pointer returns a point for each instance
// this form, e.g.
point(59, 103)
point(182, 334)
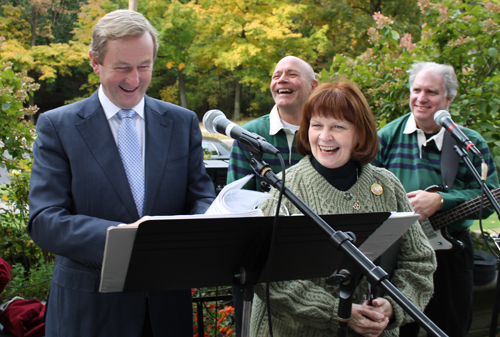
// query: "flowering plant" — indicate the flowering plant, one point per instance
point(218, 316)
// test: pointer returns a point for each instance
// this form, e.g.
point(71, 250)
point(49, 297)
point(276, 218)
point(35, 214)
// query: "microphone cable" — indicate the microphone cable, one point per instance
point(481, 203)
point(271, 246)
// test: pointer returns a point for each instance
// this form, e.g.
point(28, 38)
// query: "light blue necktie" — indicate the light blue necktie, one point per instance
point(130, 152)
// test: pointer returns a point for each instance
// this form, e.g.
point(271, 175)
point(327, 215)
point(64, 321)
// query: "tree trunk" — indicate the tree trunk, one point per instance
point(237, 101)
point(182, 90)
point(32, 72)
point(375, 6)
point(34, 23)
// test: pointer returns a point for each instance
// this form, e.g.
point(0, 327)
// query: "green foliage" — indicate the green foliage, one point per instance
point(478, 241)
point(246, 38)
point(15, 243)
point(207, 154)
point(48, 21)
point(463, 35)
point(16, 134)
point(34, 284)
point(12, 25)
point(348, 21)
point(30, 264)
point(178, 29)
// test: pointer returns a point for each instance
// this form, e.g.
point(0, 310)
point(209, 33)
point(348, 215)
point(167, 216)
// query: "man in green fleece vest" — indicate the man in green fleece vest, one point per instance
point(412, 148)
point(292, 81)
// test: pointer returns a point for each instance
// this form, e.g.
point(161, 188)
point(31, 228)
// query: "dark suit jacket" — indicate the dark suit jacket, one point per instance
point(79, 188)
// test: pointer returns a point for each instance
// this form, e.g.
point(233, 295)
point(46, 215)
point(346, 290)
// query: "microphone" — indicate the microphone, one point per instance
point(443, 118)
point(216, 122)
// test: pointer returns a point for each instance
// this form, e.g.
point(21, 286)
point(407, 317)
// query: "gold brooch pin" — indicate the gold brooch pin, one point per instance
point(377, 189)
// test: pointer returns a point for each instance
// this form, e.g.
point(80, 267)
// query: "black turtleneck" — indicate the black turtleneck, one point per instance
point(342, 178)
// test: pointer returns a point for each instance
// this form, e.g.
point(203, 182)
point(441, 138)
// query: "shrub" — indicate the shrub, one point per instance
point(464, 35)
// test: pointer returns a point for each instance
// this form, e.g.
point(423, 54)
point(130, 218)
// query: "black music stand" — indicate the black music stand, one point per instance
point(181, 253)
point(195, 252)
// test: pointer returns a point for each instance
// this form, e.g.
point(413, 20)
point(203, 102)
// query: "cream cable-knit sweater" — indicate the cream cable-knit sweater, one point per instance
point(306, 308)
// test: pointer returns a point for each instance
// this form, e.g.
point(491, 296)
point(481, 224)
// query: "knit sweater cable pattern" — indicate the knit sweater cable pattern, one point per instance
point(309, 307)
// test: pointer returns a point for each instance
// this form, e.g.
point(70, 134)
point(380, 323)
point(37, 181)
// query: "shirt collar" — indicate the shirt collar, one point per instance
point(110, 109)
point(411, 127)
point(275, 121)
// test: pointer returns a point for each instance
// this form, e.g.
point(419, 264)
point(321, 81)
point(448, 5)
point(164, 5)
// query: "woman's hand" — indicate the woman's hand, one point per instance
point(370, 321)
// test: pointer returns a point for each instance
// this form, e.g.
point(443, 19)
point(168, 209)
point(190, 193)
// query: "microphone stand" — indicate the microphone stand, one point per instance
point(343, 243)
point(494, 316)
point(463, 154)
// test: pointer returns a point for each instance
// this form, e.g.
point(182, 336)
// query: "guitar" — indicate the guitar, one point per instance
point(435, 227)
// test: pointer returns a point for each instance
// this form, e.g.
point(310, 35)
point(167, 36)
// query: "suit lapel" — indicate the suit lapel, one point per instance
point(94, 129)
point(158, 133)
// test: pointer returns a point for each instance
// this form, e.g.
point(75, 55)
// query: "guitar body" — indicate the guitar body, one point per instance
point(439, 239)
point(442, 240)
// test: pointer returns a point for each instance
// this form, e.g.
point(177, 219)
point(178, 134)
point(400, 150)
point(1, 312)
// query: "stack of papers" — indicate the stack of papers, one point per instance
point(238, 202)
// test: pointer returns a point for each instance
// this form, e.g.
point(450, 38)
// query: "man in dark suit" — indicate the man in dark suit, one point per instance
point(82, 183)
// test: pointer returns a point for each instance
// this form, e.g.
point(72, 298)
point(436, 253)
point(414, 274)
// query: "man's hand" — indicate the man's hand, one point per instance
point(370, 321)
point(425, 203)
point(135, 224)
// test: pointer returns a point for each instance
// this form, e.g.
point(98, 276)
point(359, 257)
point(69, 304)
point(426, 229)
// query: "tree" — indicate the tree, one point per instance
point(246, 38)
point(16, 133)
point(464, 35)
point(178, 30)
point(348, 21)
point(38, 41)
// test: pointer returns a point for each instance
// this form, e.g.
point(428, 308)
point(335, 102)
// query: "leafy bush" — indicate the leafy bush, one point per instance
point(34, 284)
point(16, 131)
point(15, 243)
point(464, 35)
point(30, 264)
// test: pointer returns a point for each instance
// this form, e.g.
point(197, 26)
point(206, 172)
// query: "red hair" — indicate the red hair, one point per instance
point(341, 100)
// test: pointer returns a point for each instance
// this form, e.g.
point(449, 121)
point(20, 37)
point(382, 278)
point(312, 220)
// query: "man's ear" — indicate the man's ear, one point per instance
point(448, 102)
point(314, 83)
point(94, 63)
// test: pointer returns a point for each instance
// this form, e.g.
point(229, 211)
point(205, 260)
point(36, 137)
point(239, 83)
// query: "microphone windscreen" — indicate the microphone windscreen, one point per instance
point(209, 120)
point(440, 115)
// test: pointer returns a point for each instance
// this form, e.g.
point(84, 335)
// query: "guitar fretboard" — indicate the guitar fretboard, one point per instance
point(442, 219)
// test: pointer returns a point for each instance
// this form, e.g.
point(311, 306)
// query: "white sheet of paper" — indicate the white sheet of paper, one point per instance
point(391, 230)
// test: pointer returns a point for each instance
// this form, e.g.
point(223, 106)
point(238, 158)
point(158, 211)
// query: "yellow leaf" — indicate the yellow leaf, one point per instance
point(182, 66)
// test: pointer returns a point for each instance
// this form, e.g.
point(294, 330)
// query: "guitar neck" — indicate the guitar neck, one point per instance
point(443, 219)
